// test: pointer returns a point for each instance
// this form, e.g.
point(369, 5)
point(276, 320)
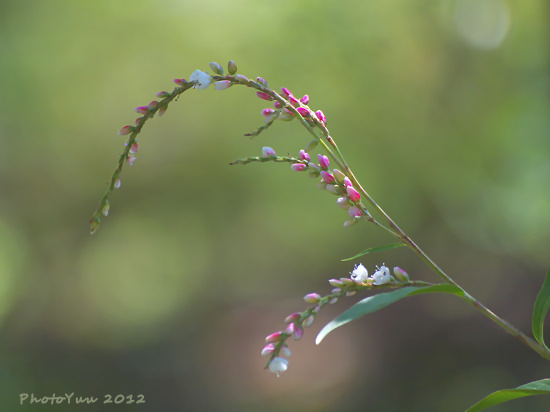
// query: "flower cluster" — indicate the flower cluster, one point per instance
point(359, 279)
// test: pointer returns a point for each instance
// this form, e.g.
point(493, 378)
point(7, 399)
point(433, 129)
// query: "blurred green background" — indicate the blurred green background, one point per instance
point(441, 107)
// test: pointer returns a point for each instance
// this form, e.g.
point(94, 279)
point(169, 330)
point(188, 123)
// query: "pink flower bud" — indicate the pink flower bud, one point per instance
point(305, 99)
point(303, 111)
point(290, 329)
point(141, 109)
point(292, 317)
point(163, 94)
point(354, 211)
point(343, 202)
point(312, 298)
point(298, 167)
point(335, 282)
point(264, 96)
point(299, 332)
point(321, 116)
point(277, 105)
point(268, 152)
point(222, 85)
point(401, 274)
point(353, 194)
point(180, 82)
point(304, 155)
point(126, 130)
point(267, 112)
point(347, 182)
point(139, 119)
point(241, 79)
point(293, 100)
point(261, 80)
point(323, 161)
point(134, 148)
point(327, 177)
point(152, 105)
point(268, 349)
point(286, 92)
point(274, 337)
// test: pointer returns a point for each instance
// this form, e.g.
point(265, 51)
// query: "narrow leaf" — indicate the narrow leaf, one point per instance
point(542, 304)
point(374, 249)
point(541, 387)
point(377, 302)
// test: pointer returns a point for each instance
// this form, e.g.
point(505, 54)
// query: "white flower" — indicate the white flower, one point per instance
point(202, 79)
point(268, 152)
point(278, 365)
point(381, 276)
point(360, 273)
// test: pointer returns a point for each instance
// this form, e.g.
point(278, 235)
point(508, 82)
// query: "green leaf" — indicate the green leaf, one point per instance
point(541, 387)
point(541, 309)
point(377, 302)
point(374, 249)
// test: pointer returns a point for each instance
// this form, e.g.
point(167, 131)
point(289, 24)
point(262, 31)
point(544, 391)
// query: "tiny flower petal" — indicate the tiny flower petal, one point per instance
point(268, 152)
point(381, 276)
point(134, 148)
point(278, 365)
point(359, 273)
point(202, 80)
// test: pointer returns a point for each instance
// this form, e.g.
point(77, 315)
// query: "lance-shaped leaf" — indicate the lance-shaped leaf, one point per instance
point(377, 302)
point(541, 309)
point(541, 387)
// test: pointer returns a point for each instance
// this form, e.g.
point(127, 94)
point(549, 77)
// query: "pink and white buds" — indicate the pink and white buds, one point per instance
point(267, 112)
point(312, 298)
point(303, 111)
point(286, 92)
point(163, 94)
point(292, 317)
point(321, 116)
point(305, 99)
point(274, 337)
point(327, 177)
point(126, 130)
point(400, 274)
point(264, 96)
point(262, 81)
point(298, 167)
point(324, 163)
point(241, 79)
point(222, 85)
point(304, 155)
point(180, 82)
point(353, 194)
point(268, 349)
point(152, 105)
point(141, 109)
point(268, 152)
point(354, 211)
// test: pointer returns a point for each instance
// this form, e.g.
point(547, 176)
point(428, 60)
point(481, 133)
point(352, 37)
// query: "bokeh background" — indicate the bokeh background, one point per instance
point(440, 106)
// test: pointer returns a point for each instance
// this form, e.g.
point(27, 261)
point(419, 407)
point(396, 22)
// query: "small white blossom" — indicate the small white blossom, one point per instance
point(381, 276)
point(278, 365)
point(360, 273)
point(202, 79)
